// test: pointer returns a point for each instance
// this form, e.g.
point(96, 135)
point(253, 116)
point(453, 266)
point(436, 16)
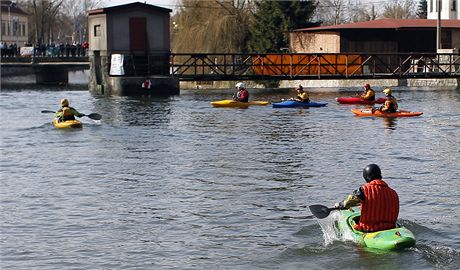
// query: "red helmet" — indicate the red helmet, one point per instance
point(367, 86)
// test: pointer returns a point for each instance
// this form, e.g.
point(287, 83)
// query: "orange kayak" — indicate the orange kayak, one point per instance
point(378, 113)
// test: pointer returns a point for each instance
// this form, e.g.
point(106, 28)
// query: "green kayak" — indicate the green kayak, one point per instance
point(392, 239)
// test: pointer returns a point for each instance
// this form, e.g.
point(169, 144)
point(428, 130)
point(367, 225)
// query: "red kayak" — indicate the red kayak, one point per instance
point(358, 100)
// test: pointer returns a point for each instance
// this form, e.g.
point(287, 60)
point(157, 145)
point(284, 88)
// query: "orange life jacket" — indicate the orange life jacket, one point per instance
point(380, 208)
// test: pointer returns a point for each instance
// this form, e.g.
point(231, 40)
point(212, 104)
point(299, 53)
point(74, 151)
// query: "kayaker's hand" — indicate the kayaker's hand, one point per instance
point(339, 206)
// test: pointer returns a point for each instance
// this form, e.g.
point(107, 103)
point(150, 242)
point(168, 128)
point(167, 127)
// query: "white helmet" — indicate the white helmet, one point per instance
point(240, 85)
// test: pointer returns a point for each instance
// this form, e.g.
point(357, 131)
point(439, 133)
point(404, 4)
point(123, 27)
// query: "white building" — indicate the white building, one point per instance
point(449, 9)
point(13, 25)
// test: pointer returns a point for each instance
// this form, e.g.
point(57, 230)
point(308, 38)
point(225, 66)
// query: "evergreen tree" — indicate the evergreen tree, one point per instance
point(274, 19)
point(422, 11)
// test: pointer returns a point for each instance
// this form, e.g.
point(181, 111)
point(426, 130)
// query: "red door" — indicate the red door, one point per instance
point(138, 34)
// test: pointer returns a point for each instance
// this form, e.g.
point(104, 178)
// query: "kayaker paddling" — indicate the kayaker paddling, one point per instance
point(302, 96)
point(368, 94)
point(66, 113)
point(391, 104)
point(378, 202)
point(242, 94)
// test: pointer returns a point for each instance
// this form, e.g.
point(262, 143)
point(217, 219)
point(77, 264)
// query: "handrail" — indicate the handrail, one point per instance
point(272, 66)
point(295, 66)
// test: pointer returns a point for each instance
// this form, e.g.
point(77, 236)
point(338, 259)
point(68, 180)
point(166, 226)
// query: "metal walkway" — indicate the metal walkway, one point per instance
point(238, 66)
point(218, 67)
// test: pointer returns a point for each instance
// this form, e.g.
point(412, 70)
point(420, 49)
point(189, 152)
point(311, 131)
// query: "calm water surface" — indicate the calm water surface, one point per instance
point(172, 183)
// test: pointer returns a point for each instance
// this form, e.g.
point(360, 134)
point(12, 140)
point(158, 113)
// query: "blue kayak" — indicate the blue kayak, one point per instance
point(297, 104)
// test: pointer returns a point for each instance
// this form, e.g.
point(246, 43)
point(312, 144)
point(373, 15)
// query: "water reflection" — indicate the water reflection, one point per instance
point(135, 111)
point(390, 123)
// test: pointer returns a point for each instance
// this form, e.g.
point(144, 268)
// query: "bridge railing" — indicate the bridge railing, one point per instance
point(286, 66)
point(214, 67)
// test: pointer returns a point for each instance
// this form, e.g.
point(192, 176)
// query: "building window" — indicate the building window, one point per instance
point(446, 40)
point(431, 5)
point(3, 28)
point(97, 30)
point(454, 5)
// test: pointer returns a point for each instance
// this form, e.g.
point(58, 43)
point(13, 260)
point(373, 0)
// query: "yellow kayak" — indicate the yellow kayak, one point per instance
point(238, 104)
point(67, 124)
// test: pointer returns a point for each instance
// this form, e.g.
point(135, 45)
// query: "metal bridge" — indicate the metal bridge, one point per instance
point(286, 66)
point(218, 67)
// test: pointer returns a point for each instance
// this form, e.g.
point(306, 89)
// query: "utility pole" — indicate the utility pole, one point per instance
point(438, 26)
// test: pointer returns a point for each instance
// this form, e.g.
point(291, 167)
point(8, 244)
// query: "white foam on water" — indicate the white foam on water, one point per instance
point(330, 229)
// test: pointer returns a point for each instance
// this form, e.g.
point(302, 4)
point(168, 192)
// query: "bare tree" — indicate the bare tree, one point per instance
point(400, 9)
point(53, 20)
point(43, 16)
point(331, 12)
point(360, 12)
point(76, 13)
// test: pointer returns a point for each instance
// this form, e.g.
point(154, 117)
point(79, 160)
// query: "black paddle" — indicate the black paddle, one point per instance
point(94, 116)
point(321, 211)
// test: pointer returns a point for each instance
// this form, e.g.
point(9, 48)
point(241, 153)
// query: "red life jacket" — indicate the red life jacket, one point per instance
point(380, 208)
point(243, 95)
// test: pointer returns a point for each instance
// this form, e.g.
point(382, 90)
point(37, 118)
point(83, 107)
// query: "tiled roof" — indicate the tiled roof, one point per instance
point(387, 24)
point(12, 8)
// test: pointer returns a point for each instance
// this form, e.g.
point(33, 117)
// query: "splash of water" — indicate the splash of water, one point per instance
point(331, 231)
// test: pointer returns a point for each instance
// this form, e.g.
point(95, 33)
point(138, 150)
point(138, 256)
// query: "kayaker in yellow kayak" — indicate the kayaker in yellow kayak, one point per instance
point(242, 94)
point(302, 96)
point(66, 112)
point(369, 93)
point(391, 104)
point(379, 202)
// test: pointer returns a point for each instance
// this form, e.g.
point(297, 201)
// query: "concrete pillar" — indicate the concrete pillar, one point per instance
point(52, 75)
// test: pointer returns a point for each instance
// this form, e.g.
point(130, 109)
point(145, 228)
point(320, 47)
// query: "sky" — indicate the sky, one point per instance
point(171, 4)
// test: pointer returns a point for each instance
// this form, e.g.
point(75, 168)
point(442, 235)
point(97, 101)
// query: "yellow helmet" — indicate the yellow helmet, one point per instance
point(387, 91)
point(64, 102)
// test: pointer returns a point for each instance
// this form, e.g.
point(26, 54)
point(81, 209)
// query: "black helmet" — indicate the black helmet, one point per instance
point(371, 172)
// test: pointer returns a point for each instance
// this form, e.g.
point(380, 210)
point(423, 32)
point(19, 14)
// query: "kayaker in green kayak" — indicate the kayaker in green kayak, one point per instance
point(242, 95)
point(379, 203)
point(66, 112)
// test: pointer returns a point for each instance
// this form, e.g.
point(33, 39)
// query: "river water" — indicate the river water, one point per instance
point(172, 183)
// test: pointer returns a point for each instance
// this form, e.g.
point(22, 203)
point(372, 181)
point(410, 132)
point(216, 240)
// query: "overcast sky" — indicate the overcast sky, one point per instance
point(173, 4)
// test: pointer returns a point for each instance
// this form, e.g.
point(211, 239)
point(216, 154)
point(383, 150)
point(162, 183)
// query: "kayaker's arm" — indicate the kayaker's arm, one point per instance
point(58, 114)
point(77, 113)
point(353, 199)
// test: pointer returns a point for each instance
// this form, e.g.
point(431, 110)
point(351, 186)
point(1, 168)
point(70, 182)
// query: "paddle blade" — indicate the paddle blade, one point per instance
point(94, 116)
point(48, 111)
point(320, 211)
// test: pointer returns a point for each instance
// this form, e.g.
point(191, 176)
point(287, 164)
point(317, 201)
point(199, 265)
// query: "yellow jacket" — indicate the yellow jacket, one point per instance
point(390, 105)
point(303, 97)
point(368, 94)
